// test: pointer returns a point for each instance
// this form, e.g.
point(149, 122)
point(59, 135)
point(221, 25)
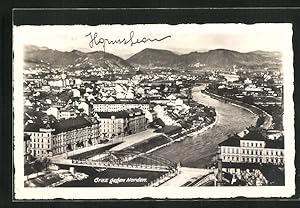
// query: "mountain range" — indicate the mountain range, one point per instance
point(148, 58)
point(211, 58)
point(42, 56)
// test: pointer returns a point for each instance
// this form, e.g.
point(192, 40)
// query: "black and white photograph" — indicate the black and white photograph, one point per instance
point(153, 110)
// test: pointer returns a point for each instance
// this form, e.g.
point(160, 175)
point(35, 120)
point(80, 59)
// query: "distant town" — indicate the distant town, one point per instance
point(118, 119)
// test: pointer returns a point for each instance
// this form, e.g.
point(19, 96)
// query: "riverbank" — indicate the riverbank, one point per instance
point(204, 128)
point(135, 139)
point(250, 108)
point(200, 149)
point(183, 137)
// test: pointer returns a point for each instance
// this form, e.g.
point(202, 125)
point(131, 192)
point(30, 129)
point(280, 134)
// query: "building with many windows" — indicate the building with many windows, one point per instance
point(60, 113)
point(121, 123)
point(254, 147)
point(119, 106)
point(57, 137)
point(44, 137)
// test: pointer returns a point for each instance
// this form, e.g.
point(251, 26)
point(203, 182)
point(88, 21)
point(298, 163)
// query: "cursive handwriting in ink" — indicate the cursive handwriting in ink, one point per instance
point(94, 40)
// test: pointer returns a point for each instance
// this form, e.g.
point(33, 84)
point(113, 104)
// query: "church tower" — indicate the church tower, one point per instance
point(63, 78)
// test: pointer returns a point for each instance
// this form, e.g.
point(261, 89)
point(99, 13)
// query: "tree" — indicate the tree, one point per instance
point(270, 81)
point(69, 147)
point(260, 121)
point(45, 163)
point(248, 99)
point(162, 87)
point(27, 169)
point(38, 166)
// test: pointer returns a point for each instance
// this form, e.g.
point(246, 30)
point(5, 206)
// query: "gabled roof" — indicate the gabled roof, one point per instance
point(70, 124)
point(135, 110)
point(233, 141)
point(120, 114)
point(122, 101)
point(254, 135)
point(34, 120)
point(275, 144)
point(33, 127)
point(34, 114)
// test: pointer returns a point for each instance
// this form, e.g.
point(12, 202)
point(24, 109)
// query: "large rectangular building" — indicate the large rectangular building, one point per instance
point(252, 148)
point(119, 106)
point(48, 139)
point(121, 123)
point(45, 138)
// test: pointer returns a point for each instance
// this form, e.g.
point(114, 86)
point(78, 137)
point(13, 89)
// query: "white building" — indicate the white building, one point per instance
point(85, 107)
point(119, 106)
point(76, 93)
point(252, 148)
point(28, 103)
point(162, 114)
point(78, 82)
point(253, 88)
point(150, 115)
point(61, 113)
point(52, 111)
point(56, 83)
point(231, 77)
point(48, 139)
point(120, 95)
point(247, 81)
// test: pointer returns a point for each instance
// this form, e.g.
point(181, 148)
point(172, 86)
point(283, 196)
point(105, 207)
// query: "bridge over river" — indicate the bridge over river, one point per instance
point(106, 165)
point(123, 160)
point(169, 173)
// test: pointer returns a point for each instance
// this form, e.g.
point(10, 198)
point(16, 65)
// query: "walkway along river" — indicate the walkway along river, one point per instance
point(199, 150)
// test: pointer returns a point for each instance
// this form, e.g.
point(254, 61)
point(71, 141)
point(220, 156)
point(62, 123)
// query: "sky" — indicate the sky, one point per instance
point(184, 38)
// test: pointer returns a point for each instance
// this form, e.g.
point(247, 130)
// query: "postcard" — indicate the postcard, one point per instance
point(153, 110)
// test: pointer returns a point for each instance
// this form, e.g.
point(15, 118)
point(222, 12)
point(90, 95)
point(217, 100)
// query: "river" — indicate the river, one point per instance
point(199, 150)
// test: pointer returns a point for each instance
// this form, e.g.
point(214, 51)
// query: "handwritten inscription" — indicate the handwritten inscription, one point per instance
point(94, 40)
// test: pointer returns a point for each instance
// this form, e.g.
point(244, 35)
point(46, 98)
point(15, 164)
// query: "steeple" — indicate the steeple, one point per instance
point(63, 77)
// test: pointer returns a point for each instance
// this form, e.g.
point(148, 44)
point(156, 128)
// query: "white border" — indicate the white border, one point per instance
point(160, 192)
